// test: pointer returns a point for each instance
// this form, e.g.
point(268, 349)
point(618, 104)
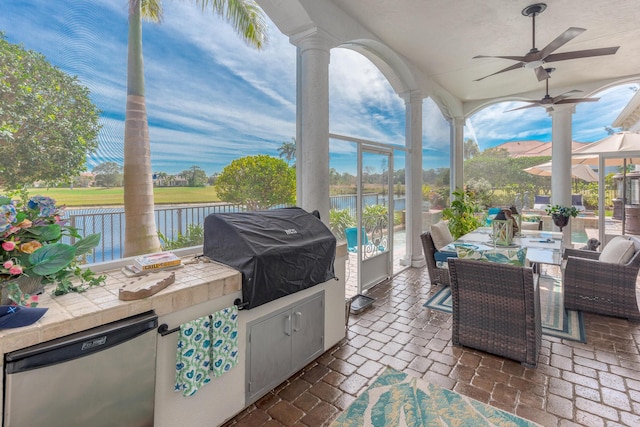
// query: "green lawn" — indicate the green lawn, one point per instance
point(114, 196)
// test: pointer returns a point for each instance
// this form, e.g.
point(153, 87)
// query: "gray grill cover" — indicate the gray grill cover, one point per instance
point(278, 251)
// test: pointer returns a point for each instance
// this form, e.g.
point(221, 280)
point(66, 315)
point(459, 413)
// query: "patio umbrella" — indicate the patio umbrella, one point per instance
point(616, 148)
point(580, 171)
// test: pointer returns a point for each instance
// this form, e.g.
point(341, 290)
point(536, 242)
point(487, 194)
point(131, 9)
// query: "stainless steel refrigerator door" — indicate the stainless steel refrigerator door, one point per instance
point(101, 377)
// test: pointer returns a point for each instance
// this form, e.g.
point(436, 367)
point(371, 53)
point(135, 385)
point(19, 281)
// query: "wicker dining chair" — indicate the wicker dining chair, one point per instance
point(436, 274)
point(601, 287)
point(496, 309)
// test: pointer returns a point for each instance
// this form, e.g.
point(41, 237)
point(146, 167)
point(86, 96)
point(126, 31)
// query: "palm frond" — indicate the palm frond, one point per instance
point(246, 17)
point(151, 9)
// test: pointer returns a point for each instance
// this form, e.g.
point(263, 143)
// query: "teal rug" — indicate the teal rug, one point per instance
point(397, 399)
point(556, 321)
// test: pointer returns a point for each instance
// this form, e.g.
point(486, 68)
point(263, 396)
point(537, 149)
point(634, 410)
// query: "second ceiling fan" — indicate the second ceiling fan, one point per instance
point(548, 102)
point(534, 59)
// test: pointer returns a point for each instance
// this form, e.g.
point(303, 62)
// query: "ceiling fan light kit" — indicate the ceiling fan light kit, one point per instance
point(535, 59)
point(548, 102)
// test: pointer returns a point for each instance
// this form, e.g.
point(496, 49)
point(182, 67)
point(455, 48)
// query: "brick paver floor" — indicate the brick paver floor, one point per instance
point(592, 384)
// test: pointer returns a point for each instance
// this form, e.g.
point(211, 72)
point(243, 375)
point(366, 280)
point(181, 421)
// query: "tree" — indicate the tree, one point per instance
point(501, 170)
point(141, 234)
point(83, 180)
point(48, 123)
point(195, 176)
point(288, 150)
point(108, 174)
point(258, 182)
point(470, 149)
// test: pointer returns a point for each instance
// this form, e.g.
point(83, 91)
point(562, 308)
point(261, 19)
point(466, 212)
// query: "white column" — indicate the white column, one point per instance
point(456, 172)
point(561, 159)
point(312, 162)
point(413, 177)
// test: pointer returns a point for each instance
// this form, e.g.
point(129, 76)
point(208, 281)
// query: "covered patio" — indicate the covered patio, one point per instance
point(596, 383)
point(426, 50)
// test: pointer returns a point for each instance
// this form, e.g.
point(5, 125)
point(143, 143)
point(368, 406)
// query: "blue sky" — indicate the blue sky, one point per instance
point(211, 99)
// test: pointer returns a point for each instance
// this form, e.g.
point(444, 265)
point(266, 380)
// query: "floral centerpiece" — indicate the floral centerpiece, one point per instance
point(560, 214)
point(31, 233)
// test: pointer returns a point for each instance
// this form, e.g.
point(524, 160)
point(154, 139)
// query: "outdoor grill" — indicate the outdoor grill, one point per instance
point(279, 252)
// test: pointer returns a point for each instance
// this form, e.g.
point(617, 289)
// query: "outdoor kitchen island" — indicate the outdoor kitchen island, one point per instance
point(200, 289)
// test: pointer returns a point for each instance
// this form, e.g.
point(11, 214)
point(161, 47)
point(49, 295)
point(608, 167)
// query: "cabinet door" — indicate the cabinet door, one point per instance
point(308, 330)
point(270, 353)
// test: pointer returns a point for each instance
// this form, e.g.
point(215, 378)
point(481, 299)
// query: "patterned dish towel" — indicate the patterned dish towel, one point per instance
point(224, 348)
point(208, 344)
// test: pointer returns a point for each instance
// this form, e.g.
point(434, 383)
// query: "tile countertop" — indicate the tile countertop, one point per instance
point(75, 312)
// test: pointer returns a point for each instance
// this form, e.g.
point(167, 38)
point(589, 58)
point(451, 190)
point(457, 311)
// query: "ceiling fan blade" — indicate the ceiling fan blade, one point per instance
point(513, 58)
point(576, 100)
point(513, 67)
point(541, 73)
point(533, 104)
point(561, 40)
point(588, 53)
point(565, 95)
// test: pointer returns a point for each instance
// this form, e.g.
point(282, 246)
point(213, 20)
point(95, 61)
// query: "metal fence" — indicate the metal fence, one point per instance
point(110, 223)
point(349, 202)
point(171, 222)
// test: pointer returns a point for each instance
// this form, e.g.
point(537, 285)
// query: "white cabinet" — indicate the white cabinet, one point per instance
point(283, 342)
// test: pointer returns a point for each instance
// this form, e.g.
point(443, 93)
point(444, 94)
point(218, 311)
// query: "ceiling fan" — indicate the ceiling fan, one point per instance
point(548, 101)
point(536, 58)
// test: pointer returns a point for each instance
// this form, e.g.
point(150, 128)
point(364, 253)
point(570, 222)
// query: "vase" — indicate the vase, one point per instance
point(28, 285)
point(560, 220)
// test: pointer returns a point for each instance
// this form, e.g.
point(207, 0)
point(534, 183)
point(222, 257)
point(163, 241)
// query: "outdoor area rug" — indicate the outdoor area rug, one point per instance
point(556, 321)
point(397, 399)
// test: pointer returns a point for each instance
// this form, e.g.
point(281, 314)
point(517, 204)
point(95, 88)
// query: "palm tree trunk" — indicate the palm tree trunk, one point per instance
point(141, 234)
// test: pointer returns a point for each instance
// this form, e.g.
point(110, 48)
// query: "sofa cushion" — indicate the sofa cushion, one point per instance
point(618, 251)
point(541, 202)
point(440, 234)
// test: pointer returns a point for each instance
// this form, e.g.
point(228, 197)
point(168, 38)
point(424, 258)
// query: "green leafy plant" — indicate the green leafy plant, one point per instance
point(375, 216)
point(31, 231)
point(339, 220)
point(461, 214)
point(565, 211)
point(193, 237)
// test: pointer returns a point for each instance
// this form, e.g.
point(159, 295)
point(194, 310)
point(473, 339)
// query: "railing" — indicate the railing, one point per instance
point(171, 222)
point(110, 223)
point(349, 202)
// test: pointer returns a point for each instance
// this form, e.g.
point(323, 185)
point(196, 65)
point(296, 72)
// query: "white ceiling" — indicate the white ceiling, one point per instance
point(439, 38)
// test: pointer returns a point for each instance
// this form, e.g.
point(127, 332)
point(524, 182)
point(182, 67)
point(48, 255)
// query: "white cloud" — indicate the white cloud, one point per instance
point(211, 95)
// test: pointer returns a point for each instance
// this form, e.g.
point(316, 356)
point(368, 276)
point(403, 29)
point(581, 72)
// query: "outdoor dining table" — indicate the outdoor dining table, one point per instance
point(543, 247)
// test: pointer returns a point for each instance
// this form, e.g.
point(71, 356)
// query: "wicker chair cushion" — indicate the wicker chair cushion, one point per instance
point(444, 255)
point(510, 256)
point(618, 251)
point(440, 234)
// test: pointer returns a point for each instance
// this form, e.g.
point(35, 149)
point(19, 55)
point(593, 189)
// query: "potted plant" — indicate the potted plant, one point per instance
point(461, 216)
point(561, 214)
point(32, 254)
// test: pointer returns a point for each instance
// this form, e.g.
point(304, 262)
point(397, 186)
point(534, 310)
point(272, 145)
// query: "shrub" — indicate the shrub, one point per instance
point(193, 237)
point(339, 220)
